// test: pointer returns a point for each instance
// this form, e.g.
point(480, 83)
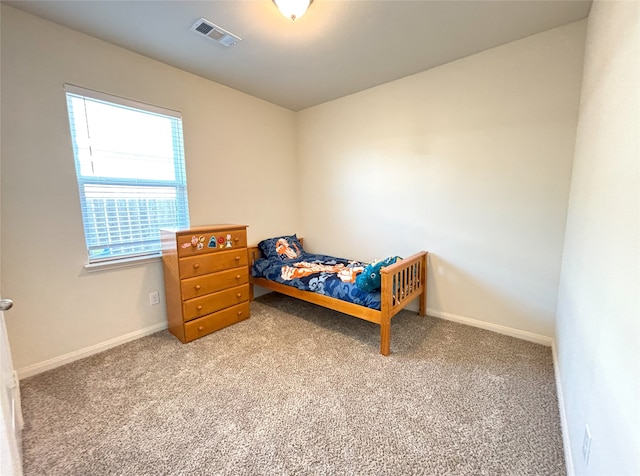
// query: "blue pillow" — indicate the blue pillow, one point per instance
point(370, 280)
point(281, 248)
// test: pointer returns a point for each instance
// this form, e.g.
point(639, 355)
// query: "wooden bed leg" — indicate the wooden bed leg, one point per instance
point(422, 306)
point(385, 336)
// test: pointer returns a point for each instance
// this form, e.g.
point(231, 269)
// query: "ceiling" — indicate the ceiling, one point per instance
point(339, 47)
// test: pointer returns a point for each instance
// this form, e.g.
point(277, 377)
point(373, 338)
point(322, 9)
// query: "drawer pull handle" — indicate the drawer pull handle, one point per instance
point(199, 308)
point(200, 328)
point(237, 276)
point(197, 287)
point(237, 258)
point(239, 313)
point(236, 239)
point(196, 265)
point(239, 295)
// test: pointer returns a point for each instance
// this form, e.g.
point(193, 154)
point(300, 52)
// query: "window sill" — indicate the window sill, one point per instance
point(122, 263)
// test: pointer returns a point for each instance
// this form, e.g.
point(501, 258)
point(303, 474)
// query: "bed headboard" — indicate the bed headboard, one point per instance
point(253, 253)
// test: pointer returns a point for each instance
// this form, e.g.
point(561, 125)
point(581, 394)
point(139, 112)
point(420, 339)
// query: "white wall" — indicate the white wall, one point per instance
point(470, 161)
point(233, 159)
point(598, 319)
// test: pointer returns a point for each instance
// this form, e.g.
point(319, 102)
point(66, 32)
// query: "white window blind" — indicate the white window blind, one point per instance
point(130, 166)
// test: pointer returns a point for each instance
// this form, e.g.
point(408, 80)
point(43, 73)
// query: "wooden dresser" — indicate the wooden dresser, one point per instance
point(206, 278)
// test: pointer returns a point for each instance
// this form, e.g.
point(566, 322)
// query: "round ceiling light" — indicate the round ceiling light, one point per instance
point(293, 9)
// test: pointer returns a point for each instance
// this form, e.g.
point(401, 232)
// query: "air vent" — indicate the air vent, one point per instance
point(214, 32)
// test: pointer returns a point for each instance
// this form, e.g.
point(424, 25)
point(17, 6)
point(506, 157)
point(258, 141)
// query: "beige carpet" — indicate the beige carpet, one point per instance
point(297, 389)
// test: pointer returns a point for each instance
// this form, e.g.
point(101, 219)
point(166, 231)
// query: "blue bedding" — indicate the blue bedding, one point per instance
point(327, 275)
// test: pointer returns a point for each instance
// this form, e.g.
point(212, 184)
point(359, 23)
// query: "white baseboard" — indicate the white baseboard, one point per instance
point(510, 331)
point(40, 367)
point(566, 441)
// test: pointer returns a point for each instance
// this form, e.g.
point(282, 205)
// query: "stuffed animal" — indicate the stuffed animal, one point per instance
point(369, 280)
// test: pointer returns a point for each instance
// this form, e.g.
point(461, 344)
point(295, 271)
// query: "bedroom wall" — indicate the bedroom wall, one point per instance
point(598, 320)
point(60, 309)
point(470, 161)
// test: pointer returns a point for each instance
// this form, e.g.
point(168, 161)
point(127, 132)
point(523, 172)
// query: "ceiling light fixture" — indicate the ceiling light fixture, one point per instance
point(293, 9)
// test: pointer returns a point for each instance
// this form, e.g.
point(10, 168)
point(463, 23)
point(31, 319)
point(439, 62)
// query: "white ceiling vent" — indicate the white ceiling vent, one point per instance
point(214, 32)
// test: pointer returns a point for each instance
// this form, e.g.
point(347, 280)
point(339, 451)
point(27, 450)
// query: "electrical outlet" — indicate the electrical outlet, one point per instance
point(586, 445)
point(154, 298)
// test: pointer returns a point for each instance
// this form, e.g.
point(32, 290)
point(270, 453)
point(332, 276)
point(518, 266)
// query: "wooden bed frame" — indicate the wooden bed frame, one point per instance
point(409, 273)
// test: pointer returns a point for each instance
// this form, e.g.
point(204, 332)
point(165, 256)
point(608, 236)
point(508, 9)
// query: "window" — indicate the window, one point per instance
point(130, 166)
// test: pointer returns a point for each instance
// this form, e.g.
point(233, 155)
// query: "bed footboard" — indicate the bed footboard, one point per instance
point(404, 281)
point(401, 283)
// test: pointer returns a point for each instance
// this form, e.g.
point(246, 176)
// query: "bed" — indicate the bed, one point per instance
point(374, 291)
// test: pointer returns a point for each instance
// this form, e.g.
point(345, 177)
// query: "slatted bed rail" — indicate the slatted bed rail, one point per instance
point(403, 282)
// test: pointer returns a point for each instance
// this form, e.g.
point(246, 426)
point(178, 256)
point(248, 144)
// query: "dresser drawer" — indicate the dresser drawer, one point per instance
point(210, 283)
point(213, 322)
point(212, 262)
point(204, 305)
point(211, 241)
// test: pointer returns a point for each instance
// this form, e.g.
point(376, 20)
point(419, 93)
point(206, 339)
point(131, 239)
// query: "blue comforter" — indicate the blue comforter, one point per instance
point(322, 274)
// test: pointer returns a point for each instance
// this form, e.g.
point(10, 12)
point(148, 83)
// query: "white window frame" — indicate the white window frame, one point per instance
point(148, 247)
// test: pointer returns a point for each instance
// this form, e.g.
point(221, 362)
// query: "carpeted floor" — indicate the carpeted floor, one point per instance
point(297, 389)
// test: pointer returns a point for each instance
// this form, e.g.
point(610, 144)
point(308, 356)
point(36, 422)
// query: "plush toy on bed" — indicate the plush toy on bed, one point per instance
point(369, 280)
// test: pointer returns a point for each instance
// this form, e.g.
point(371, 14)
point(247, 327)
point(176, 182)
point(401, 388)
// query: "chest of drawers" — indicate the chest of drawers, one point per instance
point(206, 278)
